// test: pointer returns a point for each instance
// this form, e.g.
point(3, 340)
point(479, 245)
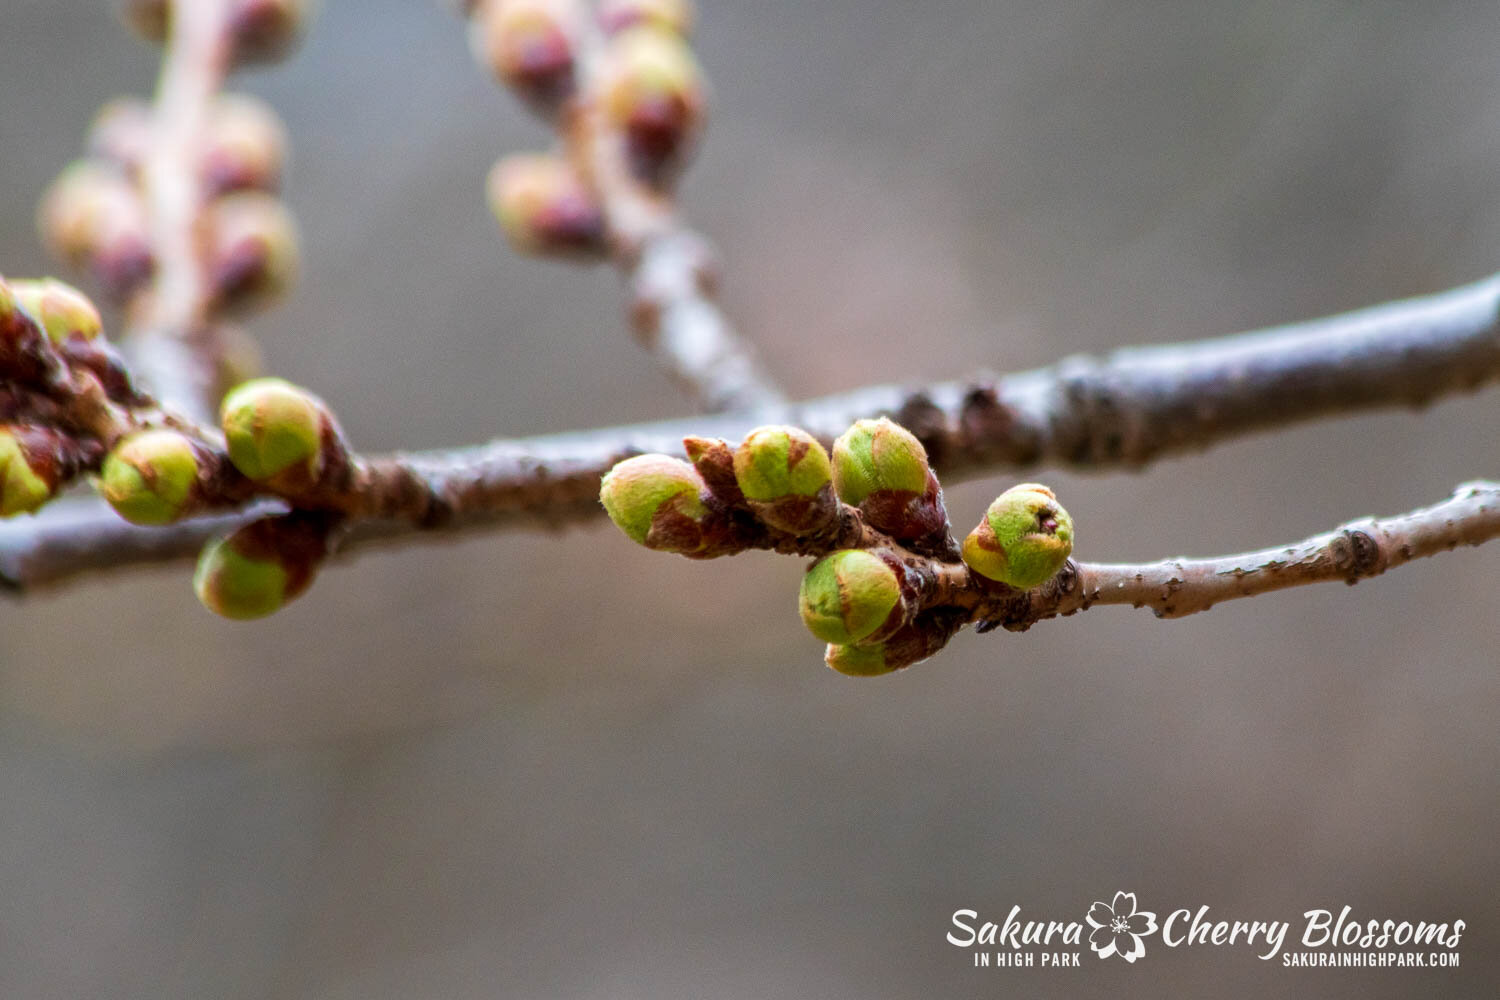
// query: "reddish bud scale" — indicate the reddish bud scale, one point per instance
point(714, 460)
point(26, 355)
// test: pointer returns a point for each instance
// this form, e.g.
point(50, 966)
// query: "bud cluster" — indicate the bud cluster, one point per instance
point(628, 76)
point(890, 586)
point(94, 217)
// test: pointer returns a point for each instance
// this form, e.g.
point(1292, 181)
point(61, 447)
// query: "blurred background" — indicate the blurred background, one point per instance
point(535, 766)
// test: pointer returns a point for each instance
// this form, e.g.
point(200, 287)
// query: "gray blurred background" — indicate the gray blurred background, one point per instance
point(540, 766)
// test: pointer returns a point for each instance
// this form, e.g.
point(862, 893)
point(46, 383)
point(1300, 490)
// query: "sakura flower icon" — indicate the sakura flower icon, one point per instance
point(1118, 927)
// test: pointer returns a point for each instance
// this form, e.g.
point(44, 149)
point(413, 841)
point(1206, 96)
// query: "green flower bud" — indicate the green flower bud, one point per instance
point(530, 46)
point(1024, 539)
point(673, 15)
point(260, 568)
point(28, 473)
point(151, 477)
point(851, 596)
point(544, 207)
point(262, 31)
point(276, 432)
point(245, 146)
point(657, 501)
point(909, 644)
point(878, 455)
point(858, 661)
point(787, 478)
point(655, 93)
point(61, 310)
point(253, 255)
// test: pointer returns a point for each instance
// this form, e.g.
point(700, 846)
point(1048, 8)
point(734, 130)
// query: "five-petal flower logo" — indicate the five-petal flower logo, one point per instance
point(1119, 927)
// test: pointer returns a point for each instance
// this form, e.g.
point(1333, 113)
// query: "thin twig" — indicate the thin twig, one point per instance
point(1121, 410)
point(670, 270)
point(166, 323)
point(1175, 588)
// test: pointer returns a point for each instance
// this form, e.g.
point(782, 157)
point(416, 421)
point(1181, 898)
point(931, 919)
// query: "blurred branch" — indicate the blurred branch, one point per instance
point(1120, 410)
point(627, 103)
point(165, 333)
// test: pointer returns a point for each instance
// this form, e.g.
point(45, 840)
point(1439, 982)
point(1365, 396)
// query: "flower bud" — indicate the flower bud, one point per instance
point(654, 92)
point(32, 468)
point(672, 15)
point(151, 477)
point(92, 217)
point(245, 146)
point(876, 455)
point(786, 477)
point(852, 596)
point(1024, 539)
point(121, 133)
point(544, 206)
point(909, 644)
point(279, 434)
point(62, 310)
point(263, 31)
point(261, 567)
point(253, 254)
point(658, 502)
point(530, 46)
point(881, 467)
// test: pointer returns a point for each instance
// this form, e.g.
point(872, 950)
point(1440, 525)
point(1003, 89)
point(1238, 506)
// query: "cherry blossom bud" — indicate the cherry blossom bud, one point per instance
point(654, 92)
point(253, 255)
point(281, 435)
point(530, 46)
point(261, 567)
point(92, 218)
point(152, 477)
point(544, 207)
point(35, 462)
point(852, 596)
point(62, 310)
point(1024, 539)
point(787, 479)
point(658, 502)
point(245, 146)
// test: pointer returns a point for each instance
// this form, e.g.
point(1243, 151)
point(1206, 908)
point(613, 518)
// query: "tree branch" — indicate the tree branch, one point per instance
point(1175, 588)
point(166, 323)
point(670, 270)
point(1121, 410)
point(561, 68)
